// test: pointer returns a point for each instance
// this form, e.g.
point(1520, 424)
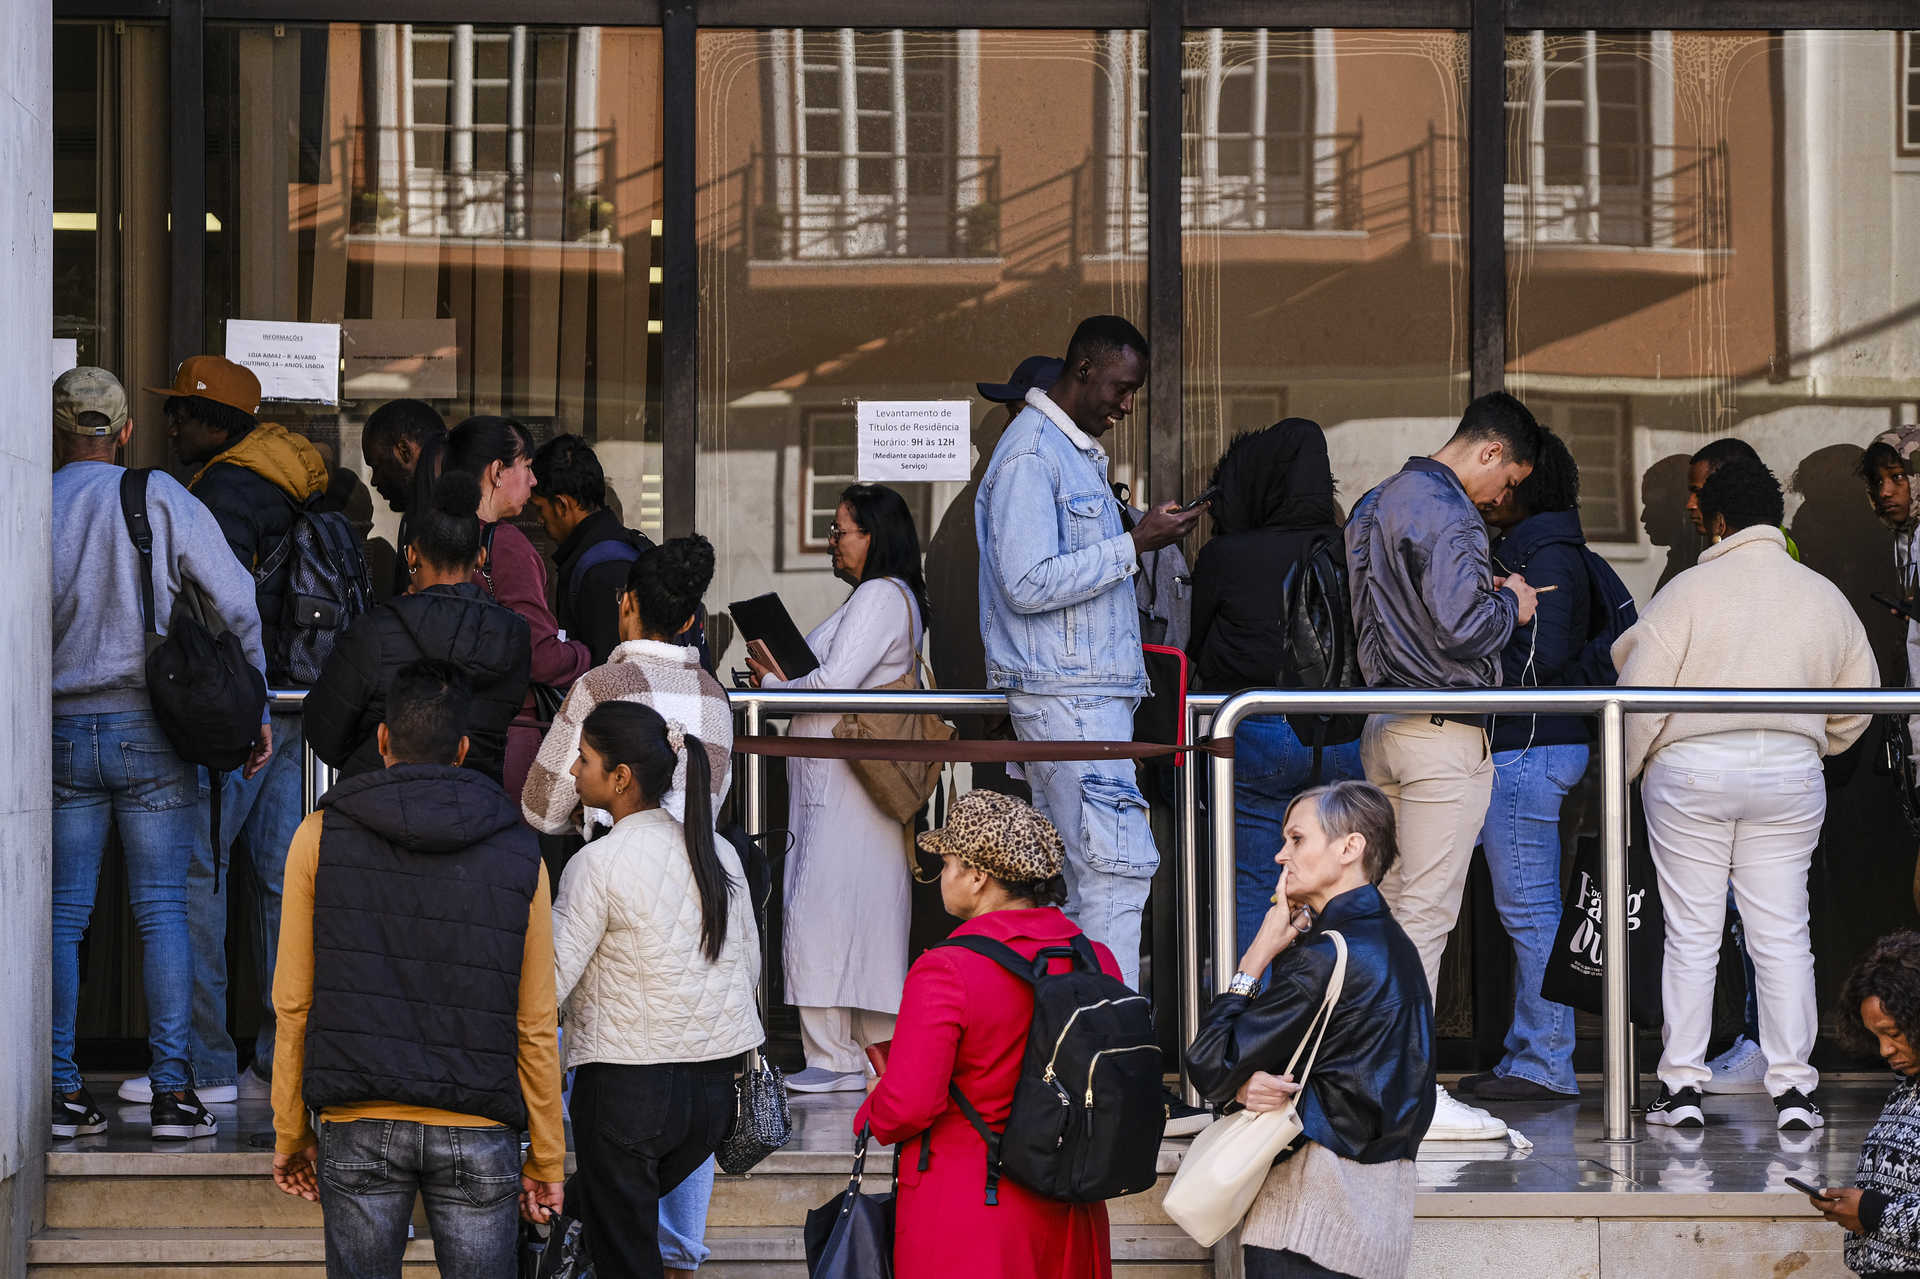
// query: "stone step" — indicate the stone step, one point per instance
point(1145, 1252)
point(131, 1190)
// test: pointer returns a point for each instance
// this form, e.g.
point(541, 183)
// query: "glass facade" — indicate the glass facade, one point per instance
point(1703, 233)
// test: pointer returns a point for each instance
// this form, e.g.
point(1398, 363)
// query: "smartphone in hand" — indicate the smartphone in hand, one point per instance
point(1817, 1192)
point(758, 650)
point(1198, 502)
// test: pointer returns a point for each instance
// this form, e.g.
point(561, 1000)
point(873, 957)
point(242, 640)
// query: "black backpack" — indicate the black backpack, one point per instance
point(327, 588)
point(1087, 1113)
point(1611, 612)
point(207, 697)
point(1317, 618)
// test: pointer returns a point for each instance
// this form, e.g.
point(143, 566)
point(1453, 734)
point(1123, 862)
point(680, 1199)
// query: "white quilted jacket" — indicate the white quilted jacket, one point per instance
point(633, 984)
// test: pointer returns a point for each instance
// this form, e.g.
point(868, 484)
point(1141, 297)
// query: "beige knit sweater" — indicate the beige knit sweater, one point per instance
point(1745, 616)
point(1353, 1218)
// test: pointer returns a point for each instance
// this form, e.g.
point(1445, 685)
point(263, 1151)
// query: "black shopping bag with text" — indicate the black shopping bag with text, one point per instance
point(1576, 964)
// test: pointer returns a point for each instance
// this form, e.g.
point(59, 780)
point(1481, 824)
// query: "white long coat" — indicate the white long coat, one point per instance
point(848, 894)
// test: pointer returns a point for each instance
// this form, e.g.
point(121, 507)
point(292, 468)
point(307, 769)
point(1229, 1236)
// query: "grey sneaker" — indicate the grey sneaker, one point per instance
point(1740, 1069)
point(816, 1079)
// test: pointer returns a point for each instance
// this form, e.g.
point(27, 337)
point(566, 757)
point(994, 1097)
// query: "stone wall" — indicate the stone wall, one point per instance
point(26, 328)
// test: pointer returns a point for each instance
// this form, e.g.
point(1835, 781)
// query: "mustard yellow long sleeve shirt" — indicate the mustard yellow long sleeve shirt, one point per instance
point(539, 1056)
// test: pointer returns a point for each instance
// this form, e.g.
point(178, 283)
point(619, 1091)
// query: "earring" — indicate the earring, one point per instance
point(413, 570)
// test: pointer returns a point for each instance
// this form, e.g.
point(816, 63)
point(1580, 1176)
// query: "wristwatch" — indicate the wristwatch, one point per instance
point(1243, 984)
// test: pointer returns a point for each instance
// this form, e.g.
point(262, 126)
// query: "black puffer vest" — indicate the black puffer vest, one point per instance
point(420, 904)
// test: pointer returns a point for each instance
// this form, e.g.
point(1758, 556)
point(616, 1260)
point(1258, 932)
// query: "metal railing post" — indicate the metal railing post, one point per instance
point(1617, 1116)
point(753, 817)
point(1220, 797)
point(1186, 893)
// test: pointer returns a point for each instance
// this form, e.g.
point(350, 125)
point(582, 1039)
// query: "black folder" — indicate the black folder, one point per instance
point(765, 618)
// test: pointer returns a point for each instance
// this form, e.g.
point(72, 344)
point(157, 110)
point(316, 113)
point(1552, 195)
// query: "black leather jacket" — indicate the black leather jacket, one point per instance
point(1371, 1095)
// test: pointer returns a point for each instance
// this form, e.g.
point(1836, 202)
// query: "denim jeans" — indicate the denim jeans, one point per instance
point(1097, 807)
point(1750, 1011)
point(119, 768)
point(370, 1172)
point(266, 808)
point(683, 1221)
point(1270, 767)
point(1522, 843)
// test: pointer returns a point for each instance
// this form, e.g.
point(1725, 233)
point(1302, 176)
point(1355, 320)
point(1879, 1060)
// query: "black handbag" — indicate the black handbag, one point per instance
point(1575, 968)
point(557, 1250)
point(761, 1122)
point(851, 1235)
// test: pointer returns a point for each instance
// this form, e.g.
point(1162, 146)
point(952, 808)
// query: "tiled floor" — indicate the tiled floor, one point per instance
point(1740, 1152)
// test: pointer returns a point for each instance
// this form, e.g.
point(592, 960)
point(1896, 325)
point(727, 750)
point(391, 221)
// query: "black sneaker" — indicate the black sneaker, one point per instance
point(76, 1116)
point(179, 1116)
point(1794, 1110)
point(1183, 1120)
point(1470, 1084)
point(1677, 1109)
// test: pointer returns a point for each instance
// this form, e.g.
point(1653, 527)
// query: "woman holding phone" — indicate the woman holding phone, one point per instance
point(1880, 1006)
point(1340, 1202)
point(848, 890)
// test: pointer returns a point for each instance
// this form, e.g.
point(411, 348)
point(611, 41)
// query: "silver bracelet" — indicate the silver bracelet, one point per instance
point(1243, 984)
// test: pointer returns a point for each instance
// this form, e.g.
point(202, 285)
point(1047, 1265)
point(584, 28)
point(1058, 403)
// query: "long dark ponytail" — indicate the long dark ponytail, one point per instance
point(632, 733)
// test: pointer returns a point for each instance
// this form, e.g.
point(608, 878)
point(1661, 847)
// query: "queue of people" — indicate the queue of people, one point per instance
point(606, 904)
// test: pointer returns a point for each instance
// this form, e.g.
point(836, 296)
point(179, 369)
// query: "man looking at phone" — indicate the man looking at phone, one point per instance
point(1887, 468)
point(1429, 613)
point(1060, 624)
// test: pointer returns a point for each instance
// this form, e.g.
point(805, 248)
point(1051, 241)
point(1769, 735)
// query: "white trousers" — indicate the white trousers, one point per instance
point(837, 1039)
point(1756, 827)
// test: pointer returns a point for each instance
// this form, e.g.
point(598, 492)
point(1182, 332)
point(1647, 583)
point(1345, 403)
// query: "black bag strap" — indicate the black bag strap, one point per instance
point(133, 508)
point(987, 1135)
point(1079, 949)
point(486, 558)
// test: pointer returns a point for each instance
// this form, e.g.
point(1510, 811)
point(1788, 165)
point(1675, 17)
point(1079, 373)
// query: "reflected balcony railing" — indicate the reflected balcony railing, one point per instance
point(1651, 195)
point(868, 206)
point(436, 181)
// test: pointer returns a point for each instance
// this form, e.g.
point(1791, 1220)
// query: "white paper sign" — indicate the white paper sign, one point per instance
point(66, 355)
point(914, 439)
point(293, 361)
point(386, 359)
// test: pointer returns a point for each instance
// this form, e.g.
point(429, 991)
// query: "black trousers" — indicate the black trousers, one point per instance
point(1264, 1263)
point(639, 1131)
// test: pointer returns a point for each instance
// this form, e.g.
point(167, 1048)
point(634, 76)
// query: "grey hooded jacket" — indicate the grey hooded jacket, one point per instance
point(1424, 603)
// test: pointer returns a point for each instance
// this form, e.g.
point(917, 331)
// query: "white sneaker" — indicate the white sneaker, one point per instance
point(1742, 1068)
point(139, 1089)
point(1456, 1121)
point(252, 1087)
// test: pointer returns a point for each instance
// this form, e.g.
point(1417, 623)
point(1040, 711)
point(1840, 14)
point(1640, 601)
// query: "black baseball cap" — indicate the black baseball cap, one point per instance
point(1036, 371)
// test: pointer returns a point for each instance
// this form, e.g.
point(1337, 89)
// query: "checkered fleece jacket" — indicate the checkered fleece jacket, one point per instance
point(667, 677)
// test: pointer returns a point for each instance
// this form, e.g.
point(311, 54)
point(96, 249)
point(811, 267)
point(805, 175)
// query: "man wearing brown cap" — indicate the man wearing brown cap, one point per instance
point(111, 762)
point(254, 477)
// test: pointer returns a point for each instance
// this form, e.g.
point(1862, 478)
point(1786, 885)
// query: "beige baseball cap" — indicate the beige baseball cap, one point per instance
point(87, 389)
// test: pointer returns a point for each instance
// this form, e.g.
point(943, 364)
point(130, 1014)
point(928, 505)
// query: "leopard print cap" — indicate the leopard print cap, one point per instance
point(1000, 835)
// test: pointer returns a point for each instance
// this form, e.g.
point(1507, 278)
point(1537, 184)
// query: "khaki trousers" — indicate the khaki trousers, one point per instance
point(1440, 779)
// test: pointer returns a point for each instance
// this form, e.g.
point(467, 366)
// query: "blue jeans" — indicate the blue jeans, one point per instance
point(370, 1172)
point(267, 808)
point(1270, 767)
point(119, 768)
point(1097, 807)
point(1522, 842)
point(683, 1221)
point(1750, 1011)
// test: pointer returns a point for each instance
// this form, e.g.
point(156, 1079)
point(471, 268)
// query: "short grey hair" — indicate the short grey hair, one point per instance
point(1356, 808)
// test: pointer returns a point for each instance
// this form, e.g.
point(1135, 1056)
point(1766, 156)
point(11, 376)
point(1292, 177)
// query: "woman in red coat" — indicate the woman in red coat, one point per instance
point(963, 1020)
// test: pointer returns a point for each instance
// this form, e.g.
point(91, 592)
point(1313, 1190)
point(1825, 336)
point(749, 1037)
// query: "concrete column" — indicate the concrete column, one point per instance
point(26, 330)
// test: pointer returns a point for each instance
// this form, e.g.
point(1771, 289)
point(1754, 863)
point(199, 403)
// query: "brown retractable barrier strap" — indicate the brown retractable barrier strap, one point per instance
point(958, 751)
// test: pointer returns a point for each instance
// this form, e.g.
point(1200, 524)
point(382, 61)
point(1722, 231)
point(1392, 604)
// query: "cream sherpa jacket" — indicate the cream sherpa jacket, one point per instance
point(1745, 616)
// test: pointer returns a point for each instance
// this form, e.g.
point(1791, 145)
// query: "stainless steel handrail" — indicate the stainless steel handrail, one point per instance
point(1612, 706)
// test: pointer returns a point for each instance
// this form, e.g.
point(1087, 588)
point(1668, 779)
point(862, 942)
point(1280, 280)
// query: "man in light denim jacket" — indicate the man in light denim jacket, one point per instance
point(1060, 622)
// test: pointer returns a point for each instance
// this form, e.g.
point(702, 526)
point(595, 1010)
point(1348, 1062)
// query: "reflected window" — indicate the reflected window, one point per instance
point(829, 463)
point(865, 157)
point(1596, 432)
point(1910, 93)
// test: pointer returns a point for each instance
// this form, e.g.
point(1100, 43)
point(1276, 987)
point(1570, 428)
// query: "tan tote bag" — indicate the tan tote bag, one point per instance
point(900, 788)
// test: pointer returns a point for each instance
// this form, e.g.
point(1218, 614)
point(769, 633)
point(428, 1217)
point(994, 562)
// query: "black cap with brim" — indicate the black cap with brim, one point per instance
point(1040, 371)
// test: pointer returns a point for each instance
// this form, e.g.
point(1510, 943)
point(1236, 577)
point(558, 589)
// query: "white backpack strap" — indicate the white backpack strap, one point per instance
point(1317, 1028)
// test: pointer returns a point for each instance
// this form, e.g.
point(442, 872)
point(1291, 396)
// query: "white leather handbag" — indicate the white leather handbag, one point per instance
point(1230, 1159)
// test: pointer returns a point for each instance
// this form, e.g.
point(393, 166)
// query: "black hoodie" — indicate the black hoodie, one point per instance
point(1275, 502)
point(489, 644)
